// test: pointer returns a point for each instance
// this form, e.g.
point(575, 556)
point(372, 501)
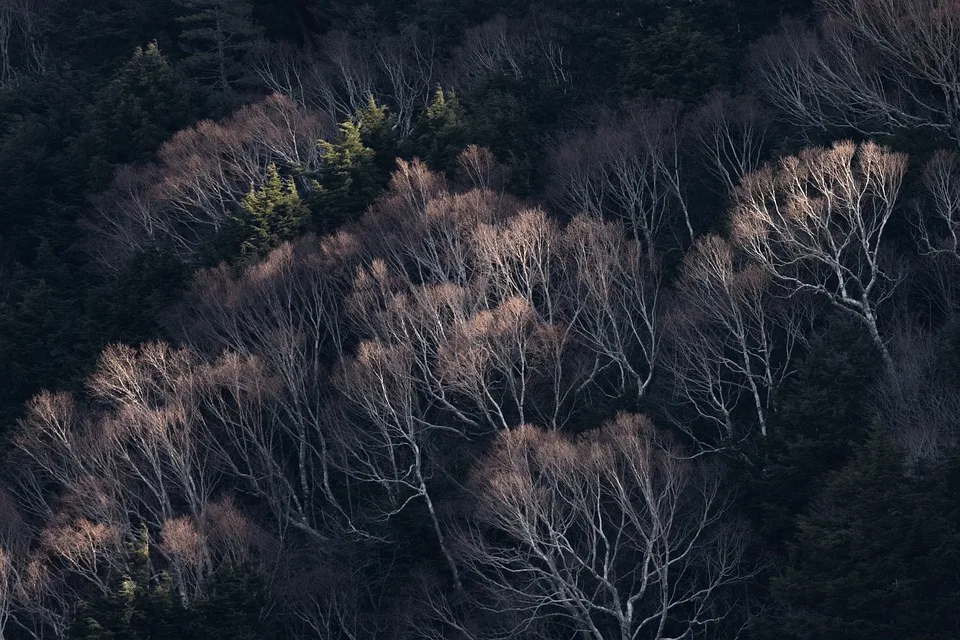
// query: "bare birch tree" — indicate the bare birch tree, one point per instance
point(872, 65)
point(816, 223)
point(730, 134)
point(732, 335)
point(617, 307)
point(408, 63)
point(612, 535)
point(631, 168)
point(938, 215)
point(916, 401)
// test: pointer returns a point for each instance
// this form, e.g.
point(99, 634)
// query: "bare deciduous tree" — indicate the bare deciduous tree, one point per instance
point(23, 47)
point(510, 47)
point(477, 166)
point(630, 168)
point(730, 134)
point(731, 335)
point(873, 65)
point(14, 541)
point(617, 300)
point(941, 177)
point(611, 534)
point(408, 63)
point(392, 439)
point(816, 223)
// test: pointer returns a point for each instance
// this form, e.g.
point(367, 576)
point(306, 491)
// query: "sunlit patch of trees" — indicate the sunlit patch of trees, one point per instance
point(665, 393)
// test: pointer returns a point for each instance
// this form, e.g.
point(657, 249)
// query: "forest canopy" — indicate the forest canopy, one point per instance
point(479, 320)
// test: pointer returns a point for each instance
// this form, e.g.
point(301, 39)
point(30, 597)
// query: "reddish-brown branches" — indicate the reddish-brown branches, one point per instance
point(816, 223)
point(199, 179)
point(612, 534)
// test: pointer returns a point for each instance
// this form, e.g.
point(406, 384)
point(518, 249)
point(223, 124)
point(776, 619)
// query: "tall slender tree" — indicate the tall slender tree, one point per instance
point(216, 35)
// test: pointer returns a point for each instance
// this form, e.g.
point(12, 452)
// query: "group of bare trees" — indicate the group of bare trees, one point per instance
point(346, 381)
point(334, 384)
point(637, 165)
point(88, 478)
point(613, 533)
point(199, 178)
point(23, 47)
point(446, 356)
point(872, 66)
point(338, 75)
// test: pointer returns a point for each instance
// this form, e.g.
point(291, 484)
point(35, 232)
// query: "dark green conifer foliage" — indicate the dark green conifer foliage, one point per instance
point(349, 180)
point(235, 608)
point(378, 132)
point(272, 214)
point(824, 412)
point(878, 556)
point(441, 133)
point(143, 606)
point(146, 103)
point(216, 36)
point(678, 60)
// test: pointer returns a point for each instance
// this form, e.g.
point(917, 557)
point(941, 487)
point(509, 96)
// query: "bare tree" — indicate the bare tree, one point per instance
point(731, 134)
point(510, 47)
point(915, 41)
point(816, 223)
point(408, 64)
point(941, 177)
point(86, 550)
point(496, 46)
point(630, 167)
point(874, 65)
point(288, 70)
point(23, 47)
point(14, 540)
point(392, 439)
point(478, 167)
point(8, 73)
point(732, 334)
point(612, 534)
point(616, 298)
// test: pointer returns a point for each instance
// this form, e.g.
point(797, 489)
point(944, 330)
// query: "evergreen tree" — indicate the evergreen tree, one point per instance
point(441, 134)
point(349, 180)
point(823, 415)
point(216, 36)
point(146, 103)
point(235, 608)
point(272, 214)
point(878, 556)
point(678, 60)
point(378, 133)
point(141, 607)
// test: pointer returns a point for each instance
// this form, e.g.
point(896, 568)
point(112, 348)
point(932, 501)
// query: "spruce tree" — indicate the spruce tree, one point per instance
point(142, 606)
point(146, 102)
point(349, 180)
point(877, 556)
point(216, 36)
point(441, 134)
point(272, 214)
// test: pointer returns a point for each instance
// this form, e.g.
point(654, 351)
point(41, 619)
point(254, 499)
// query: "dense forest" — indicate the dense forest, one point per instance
point(477, 320)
